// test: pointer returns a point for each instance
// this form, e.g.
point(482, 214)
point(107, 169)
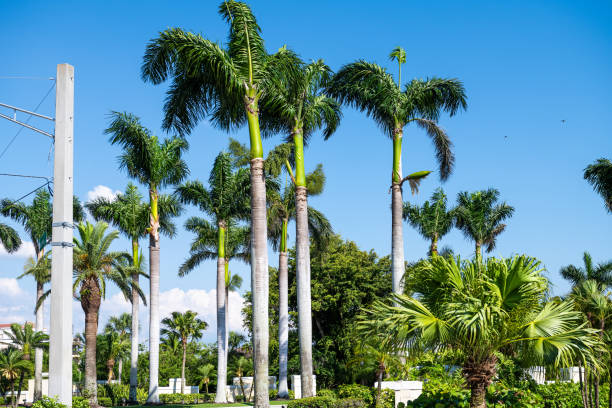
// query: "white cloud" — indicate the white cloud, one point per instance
point(10, 287)
point(102, 191)
point(25, 250)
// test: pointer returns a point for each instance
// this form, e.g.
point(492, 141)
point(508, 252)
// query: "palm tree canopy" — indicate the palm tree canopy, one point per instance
point(600, 273)
point(12, 364)
point(121, 324)
point(151, 162)
point(9, 238)
point(480, 310)
point(599, 175)
point(184, 326)
point(39, 269)
point(433, 219)
point(27, 338)
point(369, 88)
point(480, 218)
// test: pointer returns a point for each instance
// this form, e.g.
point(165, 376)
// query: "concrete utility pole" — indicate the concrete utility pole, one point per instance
point(60, 341)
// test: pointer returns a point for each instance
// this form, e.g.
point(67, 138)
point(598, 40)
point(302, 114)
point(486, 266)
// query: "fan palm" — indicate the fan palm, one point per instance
point(242, 367)
point(225, 201)
point(94, 267)
point(36, 220)
point(226, 85)
point(207, 373)
point(480, 310)
point(599, 175)
point(156, 165)
point(371, 89)
point(480, 218)
point(9, 238)
point(28, 340)
point(600, 273)
point(130, 215)
point(432, 220)
point(12, 366)
point(123, 326)
point(185, 326)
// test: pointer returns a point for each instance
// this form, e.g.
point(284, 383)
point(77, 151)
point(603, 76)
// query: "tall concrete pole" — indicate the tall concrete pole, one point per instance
point(60, 341)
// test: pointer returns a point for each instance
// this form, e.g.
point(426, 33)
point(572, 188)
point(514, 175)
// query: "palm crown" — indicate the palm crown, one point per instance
point(185, 326)
point(600, 273)
point(9, 238)
point(599, 175)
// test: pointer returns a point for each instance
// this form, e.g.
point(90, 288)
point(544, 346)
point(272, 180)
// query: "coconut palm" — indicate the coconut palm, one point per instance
point(185, 326)
point(371, 89)
point(36, 220)
point(480, 310)
point(225, 201)
point(94, 267)
point(9, 238)
point(480, 218)
point(122, 325)
point(298, 107)
point(432, 220)
point(599, 175)
point(156, 165)
point(12, 366)
point(226, 86)
point(130, 215)
point(27, 339)
point(600, 273)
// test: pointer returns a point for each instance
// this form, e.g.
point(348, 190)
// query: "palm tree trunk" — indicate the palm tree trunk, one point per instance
point(13, 399)
point(259, 280)
point(582, 386)
point(134, 330)
point(183, 366)
point(397, 233)
point(38, 352)
point(119, 370)
point(153, 397)
point(478, 252)
point(433, 249)
point(110, 364)
point(221, 396)
point(90, 302)
point(379, 387)
point(20, 386)
point(283, 318)
point(478, 394)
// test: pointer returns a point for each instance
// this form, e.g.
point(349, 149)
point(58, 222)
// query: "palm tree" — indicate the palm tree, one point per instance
point(156, 165)
point(432, 220)
point(130, 215)
point(28, 340)
point(371, 89)
point(599, 175)
point(207, 373)
point(227, 86)
point(116, 349)
point(299, 107)
point(171, 343)
point(12, 366)
point(185, 326)
point(9, 238)
point(600, 273)
point(480, 219)
point(224, 201)
point(480, 310)
point(243, 367)
point(94, 267)
point(122, 325)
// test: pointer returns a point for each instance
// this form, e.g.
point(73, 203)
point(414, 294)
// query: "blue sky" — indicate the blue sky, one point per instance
point(526, 67)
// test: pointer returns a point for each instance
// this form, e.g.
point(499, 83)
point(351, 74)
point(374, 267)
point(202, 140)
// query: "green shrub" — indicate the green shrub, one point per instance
point(207, 397)
point(563, 395)
point(273, 394)
point(387, 398)
point(350, 403)
point(141, 395)
point(327, 393)
point(48, 402)
point(1, 400)
point(356, 391)
point(80, 402)
point(239, 398)
point(401, 405)
point(105, 401)
point(312, 402)
point(514, 397)
point(291, 394)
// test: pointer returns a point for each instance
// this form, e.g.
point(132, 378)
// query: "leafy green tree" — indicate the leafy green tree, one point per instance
point(432, 220)
point(184, 326)
point(123, 326)
point(28, 340)
point(481, 310)
point(600, 273)
point(226, 86)
point(371, 89)
point(12, 366)
point(9, 238)
point(480, 218)
point(207, 373)
point(599, 175)
point(94, 267)
point(156, 165)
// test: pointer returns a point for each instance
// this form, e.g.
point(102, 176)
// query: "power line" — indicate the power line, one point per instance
point(33, 191)
point(23, 175)
point(27, 77)
point(27, 120)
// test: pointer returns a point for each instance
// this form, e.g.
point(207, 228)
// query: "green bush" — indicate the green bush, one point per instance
point(387, 398)
point(48, 402)
point(178, 398)
point(291, 394)
point(513, 397)
point(401, 405)
point(562, 395)
point(312, 402)
point(105, 401)
point(356, 391)
point(327, 393)
point(80, 402)
point(273, 394)
point(350, 403)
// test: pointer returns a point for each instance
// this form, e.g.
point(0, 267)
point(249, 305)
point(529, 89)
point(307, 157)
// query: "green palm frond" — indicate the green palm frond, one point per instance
point(599, 175)
point(9, 238)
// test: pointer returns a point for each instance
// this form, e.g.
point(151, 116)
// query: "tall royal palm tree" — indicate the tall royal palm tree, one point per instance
point(298, 107)
point(12, 366)
point(371, 89)
point(480, 218)
point(599, 175)
point(36, 220)
point(9, 238)
point(123, 326)
point(94, 267)
point(28, 340)
point(156, 165)
point(185, 326)
point(130, 215)
point(481, 310)
point(600, 273)
point(432, 220)
point(224, 201)
point(226, 86)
